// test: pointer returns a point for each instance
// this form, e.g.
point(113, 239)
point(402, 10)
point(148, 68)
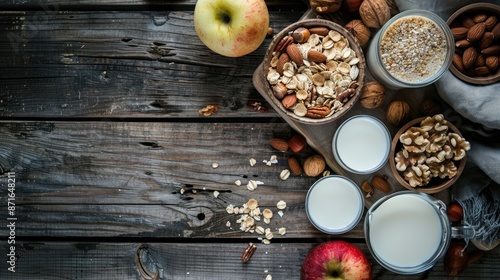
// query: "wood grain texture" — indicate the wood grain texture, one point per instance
point(105, 179)
point(120, 64)
point(94, 260)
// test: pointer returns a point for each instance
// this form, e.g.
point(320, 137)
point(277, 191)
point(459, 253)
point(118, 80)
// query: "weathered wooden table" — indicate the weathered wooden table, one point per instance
point(99, 128)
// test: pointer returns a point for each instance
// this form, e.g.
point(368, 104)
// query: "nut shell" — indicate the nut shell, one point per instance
point(360, 31)
point(314, 165)
point(374, 13)
point(398, 112)
point(372, 95)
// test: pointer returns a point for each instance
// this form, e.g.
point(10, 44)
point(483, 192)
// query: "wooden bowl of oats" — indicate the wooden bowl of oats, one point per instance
point(314, 70)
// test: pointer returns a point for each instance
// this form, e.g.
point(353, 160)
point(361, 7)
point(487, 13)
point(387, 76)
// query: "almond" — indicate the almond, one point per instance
point(294, 54)
point(469, 57)
point(492, 62)
point(496, 31)
point(323, 31)
point(380, 183)
point(479, 17)
point(297, 143)
point(480, 61)
point(486, 41)
point(491, 50)
point(476, 32)
point(279, 144)
point(316, 56)
point(284, 58)
point(294, 166)
point(459, 32)
point(467, 21)
point(490, 22)
point(482, 71)
point(463, 43)
point(457, 62)
point(289, 101)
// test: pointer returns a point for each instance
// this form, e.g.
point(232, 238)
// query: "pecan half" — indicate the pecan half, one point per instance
point(248, 252)
point(285, 42)
point(317, 112)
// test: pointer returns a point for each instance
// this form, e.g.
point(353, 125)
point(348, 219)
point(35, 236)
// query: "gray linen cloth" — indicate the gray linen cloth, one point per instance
point(475, 110)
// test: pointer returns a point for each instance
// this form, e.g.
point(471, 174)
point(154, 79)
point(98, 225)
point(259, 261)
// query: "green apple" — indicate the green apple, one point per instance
point(231, 28)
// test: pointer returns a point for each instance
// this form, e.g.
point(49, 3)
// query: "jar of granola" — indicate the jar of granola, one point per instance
point(413, 49)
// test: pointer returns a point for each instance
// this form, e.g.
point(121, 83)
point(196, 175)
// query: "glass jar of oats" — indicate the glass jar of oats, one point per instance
point(413, 49)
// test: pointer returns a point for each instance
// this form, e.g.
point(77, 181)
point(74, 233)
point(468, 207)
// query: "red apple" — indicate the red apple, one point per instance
point(336, 260)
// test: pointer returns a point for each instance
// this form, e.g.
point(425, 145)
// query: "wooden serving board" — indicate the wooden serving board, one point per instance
point(319, 136)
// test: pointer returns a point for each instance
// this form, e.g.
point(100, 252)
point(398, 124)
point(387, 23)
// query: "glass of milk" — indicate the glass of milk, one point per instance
point(362, 144)
point(408, 232)
point(334, 204)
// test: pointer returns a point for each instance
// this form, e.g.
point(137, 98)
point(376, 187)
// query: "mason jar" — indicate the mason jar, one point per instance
point(413, 49)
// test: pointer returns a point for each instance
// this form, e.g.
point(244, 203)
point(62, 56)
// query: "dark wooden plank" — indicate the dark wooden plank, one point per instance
point(125, 179)
point(51, 5)
point(89, 260)
point(120, 64)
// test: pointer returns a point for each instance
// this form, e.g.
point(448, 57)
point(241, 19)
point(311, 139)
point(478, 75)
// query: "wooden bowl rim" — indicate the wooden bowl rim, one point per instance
point(353, 43)
point(426, 189)
point(466, 9)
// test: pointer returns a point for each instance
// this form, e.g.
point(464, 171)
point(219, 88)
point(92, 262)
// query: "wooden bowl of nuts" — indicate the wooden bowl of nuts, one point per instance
point(428, 154)
point(314, 70)
point(476, 30)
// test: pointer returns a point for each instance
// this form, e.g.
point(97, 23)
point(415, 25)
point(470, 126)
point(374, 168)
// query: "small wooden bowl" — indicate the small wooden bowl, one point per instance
point(353, 44)
point(471, 9)
point(436, 184)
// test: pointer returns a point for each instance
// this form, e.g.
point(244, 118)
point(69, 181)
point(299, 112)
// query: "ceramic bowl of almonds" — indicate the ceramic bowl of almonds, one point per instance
point(428, 154)
point(314, 70)
point(476, 31)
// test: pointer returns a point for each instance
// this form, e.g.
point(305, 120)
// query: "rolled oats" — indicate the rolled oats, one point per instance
point(316, 83)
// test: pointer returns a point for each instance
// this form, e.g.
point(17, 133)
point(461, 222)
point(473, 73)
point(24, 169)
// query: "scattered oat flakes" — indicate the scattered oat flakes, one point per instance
point(252, 185)
point(182, 191)
point(326, 173)
point(267, 220)
point(252, 162)
point(208, 110)
point(266, 241)
point(215, 165)
point(237, 183)
point(230, 209)
point(228, 224)
point(269, 277)
point(281, 213)
point(285, 173)
point(194, 191)
point(274, 159)
point(267, 213)
point(282, 231)
point(281, 205)
point(268, 234)
point(259, 230)
point(252, 204)
point(216, 194)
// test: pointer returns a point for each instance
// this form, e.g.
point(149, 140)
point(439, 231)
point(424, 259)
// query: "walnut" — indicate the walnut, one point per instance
point(443, 169)
point(360, 31)
point(458, 145)
point(430, 150)
point(405, 159)
point(325, 6)
point(374, 13)
point(433, 124)
point(414, 139)
point(418, 176)
point(397, 112)
point(372, 95)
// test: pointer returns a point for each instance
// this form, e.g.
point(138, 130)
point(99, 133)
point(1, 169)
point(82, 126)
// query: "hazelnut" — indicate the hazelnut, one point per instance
point(398, 112)
point(360, 31)
point(314, 165)
point(372, 95)
point(297, 143)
